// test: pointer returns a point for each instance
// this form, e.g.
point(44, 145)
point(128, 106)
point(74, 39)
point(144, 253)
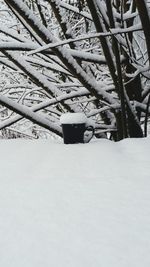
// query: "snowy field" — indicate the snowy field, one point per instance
point(84, 205)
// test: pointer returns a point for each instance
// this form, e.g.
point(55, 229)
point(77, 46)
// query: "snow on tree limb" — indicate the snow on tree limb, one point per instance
point(76, 58)
point(29, 114)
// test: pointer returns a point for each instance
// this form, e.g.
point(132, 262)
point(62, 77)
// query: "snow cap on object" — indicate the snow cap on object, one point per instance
point(70, 118)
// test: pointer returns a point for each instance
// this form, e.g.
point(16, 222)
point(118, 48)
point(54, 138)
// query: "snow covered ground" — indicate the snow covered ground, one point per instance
point(83, 205)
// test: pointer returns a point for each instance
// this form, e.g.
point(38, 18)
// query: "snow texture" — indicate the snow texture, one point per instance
point(75, 205)
point(70, 118)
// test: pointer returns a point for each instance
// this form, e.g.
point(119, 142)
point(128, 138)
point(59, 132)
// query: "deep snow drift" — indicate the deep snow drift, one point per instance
point(83, 205)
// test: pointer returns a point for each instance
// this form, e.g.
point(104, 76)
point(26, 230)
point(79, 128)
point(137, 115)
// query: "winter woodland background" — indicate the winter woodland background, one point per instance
point(89, 56)
point(77, 205)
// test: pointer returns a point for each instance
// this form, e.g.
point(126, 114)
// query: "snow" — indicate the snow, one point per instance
point(29, 114)
point(75, 205)
point(36, 107)
point(70, 118)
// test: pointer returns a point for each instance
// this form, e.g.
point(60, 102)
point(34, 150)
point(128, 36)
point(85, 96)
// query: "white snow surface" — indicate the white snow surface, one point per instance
point(82, 205)
point(69, 118)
